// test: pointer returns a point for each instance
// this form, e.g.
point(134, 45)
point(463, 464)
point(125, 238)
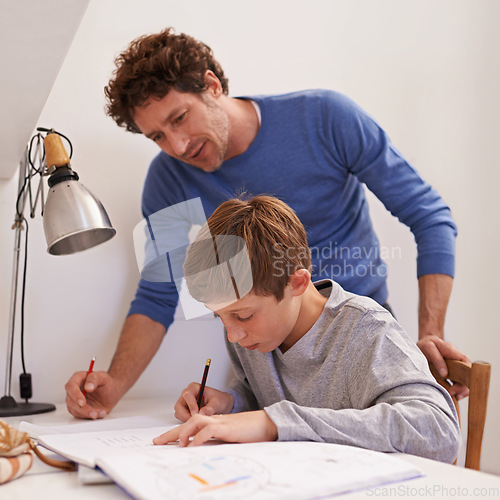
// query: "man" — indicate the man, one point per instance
point(313, 149)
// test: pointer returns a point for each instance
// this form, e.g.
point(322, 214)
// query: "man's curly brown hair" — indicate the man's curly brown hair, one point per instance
point(154, 64)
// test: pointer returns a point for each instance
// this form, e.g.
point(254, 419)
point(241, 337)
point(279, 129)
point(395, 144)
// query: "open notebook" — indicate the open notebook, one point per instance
point(124, 451)
point(83, 443)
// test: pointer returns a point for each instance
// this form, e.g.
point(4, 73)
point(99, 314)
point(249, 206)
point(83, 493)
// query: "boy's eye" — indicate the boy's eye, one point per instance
point(156, 137)
point(239, 318)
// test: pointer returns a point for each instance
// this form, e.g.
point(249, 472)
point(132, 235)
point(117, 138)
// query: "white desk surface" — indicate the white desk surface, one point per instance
point(43, 482)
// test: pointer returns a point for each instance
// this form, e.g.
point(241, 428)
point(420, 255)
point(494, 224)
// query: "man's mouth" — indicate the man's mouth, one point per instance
point(196, 152)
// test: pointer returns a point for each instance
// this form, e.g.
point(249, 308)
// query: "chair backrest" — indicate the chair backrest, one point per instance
point(477, 378)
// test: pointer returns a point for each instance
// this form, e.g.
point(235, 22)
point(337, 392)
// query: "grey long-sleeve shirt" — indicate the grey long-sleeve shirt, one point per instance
point(355, 378)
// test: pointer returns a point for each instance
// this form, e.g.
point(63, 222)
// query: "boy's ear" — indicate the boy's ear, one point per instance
point(299, 281)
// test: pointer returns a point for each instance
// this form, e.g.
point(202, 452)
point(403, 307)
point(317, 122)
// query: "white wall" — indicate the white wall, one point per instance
point(428, 71)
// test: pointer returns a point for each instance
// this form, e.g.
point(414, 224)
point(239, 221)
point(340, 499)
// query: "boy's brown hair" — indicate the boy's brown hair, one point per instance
point(266, 228)
point(154, 64)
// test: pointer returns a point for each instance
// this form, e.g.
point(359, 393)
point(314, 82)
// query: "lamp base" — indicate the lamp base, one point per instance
point(10, 408)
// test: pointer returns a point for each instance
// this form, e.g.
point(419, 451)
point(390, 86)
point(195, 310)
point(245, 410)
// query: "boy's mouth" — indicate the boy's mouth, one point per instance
point(250, 347)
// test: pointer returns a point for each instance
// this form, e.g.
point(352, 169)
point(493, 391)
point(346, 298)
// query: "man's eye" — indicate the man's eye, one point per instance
point(156, 137)
point(180, 118)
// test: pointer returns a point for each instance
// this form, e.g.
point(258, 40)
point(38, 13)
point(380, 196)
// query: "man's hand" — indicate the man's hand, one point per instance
point(214, 401)
point(102, 394)
point(435, 349)
point(434, 294)
point(139, 340)
point(246, 427)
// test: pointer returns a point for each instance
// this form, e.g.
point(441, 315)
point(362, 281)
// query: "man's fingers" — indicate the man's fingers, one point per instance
point(459, 390)
point(73, 407)
point(435, 350)
point(73, 385)
point(448, 350)
point(92, 381)
point(86, 411)
point(433, 355)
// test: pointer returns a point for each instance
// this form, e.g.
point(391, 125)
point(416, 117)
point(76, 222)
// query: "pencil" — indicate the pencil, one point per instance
point(203, 382)
point(91, 367)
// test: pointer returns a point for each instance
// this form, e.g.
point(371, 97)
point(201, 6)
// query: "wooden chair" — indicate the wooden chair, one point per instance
point(477, 379)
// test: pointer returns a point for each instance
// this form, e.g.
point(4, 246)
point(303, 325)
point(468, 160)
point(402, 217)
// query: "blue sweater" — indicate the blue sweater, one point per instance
point(314, 150)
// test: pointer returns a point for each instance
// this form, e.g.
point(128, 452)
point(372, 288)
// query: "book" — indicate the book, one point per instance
point(269, 470)
point(84, 442)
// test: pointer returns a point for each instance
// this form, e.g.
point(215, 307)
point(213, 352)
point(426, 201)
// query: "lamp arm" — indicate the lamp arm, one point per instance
point(33, 170)
point(28, 169)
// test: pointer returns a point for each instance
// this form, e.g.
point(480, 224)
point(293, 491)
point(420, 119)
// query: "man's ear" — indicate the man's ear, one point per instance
point(299, 281)
point(213, 83)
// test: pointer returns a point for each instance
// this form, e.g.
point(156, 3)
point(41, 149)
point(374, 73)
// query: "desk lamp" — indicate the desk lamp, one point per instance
point(73, 220)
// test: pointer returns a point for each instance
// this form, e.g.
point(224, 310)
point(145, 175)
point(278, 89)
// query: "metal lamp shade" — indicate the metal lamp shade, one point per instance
point(74, 219)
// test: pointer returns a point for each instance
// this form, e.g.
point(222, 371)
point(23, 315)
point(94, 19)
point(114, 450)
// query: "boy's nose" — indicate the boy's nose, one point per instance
point(235, 334)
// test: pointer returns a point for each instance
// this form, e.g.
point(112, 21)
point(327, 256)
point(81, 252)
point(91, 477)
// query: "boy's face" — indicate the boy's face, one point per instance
point(261, 322)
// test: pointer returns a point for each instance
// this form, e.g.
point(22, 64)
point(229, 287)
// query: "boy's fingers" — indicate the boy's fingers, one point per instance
point(204, 434)
point(190, 428)
point(191, 401)
point(167, 437)
point(207, 411)
point(181, 411)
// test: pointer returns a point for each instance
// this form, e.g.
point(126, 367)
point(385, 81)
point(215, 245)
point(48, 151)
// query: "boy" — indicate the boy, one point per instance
point(311, 361)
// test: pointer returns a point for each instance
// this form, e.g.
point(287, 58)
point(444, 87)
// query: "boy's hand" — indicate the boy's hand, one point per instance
point(245, 427)
point(214, 401)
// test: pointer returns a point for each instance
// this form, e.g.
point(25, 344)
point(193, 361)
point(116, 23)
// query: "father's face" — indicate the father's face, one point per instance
point(191, 127)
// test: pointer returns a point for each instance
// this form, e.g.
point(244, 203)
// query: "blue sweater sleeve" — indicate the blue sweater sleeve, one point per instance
point(157, 300)
point(372, 158)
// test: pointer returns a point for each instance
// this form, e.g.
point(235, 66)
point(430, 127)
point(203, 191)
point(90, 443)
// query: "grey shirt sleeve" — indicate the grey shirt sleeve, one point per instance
point(394, 403)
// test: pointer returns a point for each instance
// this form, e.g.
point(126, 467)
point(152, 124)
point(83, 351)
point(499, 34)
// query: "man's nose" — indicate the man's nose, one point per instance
point(179, 142)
